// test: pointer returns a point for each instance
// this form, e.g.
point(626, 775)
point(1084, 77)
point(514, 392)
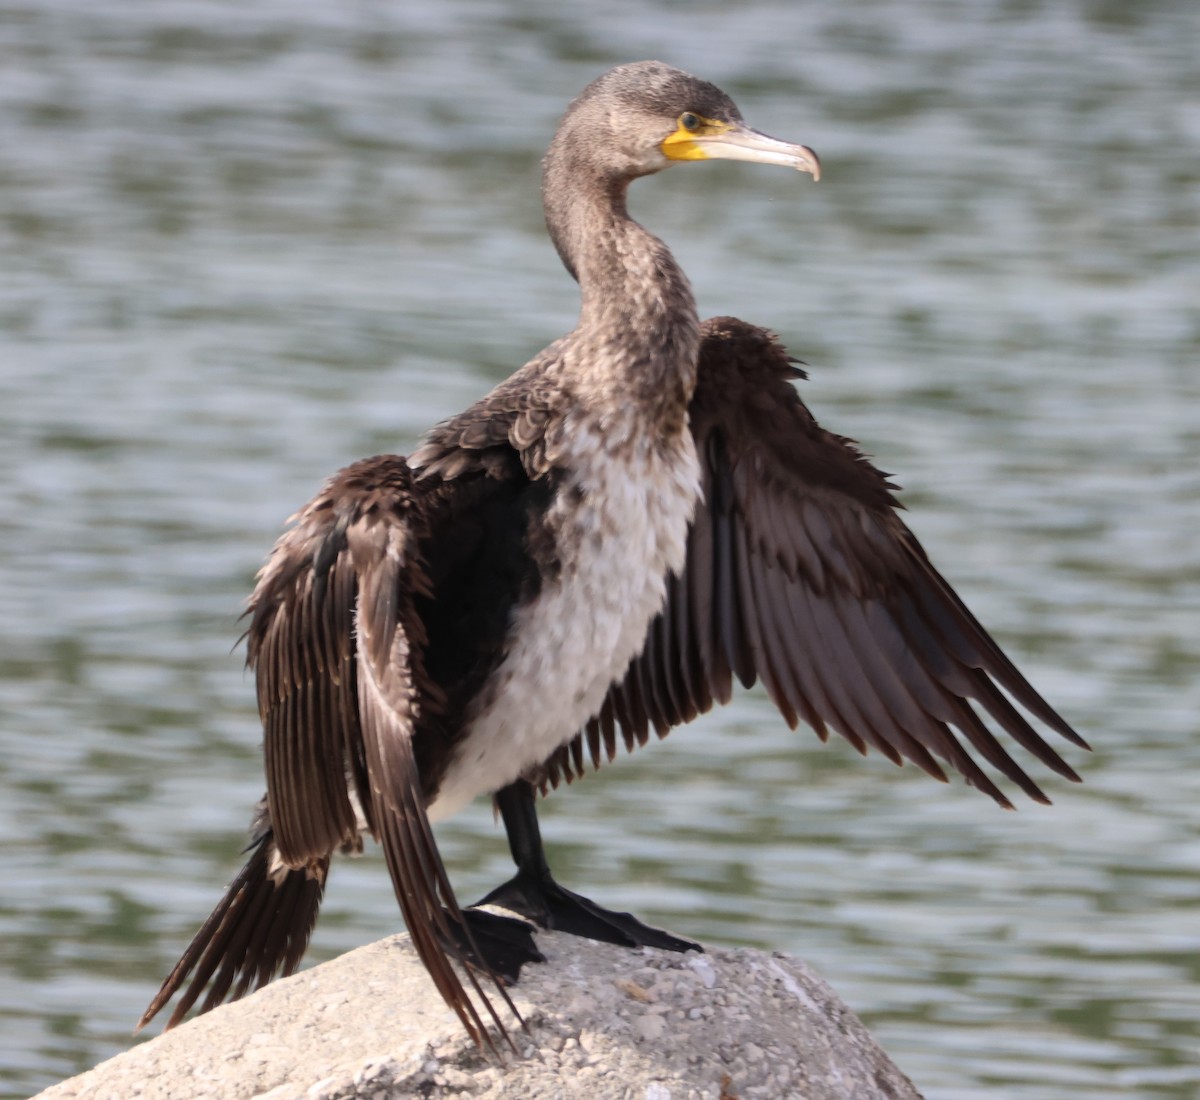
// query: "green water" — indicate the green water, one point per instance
point(244, 244)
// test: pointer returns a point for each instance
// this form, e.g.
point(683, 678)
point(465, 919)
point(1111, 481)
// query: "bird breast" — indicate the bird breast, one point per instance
point(619, 523)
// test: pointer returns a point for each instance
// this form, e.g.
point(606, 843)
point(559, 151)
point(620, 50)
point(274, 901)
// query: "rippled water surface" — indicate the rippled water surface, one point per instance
point(244, 244)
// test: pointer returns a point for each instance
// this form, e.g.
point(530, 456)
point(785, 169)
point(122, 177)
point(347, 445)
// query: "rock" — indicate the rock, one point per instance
point(604, 1023)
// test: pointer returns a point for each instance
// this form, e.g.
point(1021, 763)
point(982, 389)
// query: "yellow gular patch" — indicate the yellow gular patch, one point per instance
point(682, 144)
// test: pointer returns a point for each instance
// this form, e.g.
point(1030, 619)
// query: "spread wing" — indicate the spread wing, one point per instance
point(800, 572)
point(338, 647)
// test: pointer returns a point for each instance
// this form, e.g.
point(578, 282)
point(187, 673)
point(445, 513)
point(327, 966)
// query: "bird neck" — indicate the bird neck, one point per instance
point(638, 336)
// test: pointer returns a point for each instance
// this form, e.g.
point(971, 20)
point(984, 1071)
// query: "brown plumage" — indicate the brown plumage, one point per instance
point(596, 549)
point(800, 572)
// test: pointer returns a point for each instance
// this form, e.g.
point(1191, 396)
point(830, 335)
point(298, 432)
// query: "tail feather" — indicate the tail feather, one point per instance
point(260, 928)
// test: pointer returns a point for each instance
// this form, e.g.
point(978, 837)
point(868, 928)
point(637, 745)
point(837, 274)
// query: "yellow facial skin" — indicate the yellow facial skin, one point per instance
point(682, 144)
point(699, 138)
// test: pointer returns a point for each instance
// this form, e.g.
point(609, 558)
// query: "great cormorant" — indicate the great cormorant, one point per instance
point(643, 512)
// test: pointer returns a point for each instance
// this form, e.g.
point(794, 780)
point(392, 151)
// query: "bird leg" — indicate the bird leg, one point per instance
point(533, 893)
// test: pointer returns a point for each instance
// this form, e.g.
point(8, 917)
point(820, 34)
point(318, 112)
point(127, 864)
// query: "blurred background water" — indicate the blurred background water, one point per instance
point(245, 244)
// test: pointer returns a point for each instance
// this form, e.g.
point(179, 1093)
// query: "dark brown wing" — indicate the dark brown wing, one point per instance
point(800, 571)
point(338, 648)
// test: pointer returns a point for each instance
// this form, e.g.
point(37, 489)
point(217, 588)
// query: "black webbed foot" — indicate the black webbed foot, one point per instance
point(505, 943)
point(533, 893)
point(539, 898)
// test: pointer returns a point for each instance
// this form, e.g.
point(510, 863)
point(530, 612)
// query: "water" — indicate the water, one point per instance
point(244, 244)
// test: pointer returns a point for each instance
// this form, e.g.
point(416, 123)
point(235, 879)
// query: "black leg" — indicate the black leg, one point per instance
point(533, 893)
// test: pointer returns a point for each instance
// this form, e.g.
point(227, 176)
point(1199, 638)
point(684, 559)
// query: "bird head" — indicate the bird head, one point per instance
point(643, 117)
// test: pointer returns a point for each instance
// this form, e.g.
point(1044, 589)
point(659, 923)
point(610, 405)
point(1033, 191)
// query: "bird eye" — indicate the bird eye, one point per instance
point(689, 121)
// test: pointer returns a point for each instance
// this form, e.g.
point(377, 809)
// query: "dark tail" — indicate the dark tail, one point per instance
point(261, 927)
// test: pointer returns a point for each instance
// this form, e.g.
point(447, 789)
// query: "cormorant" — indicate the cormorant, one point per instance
point(643, 512)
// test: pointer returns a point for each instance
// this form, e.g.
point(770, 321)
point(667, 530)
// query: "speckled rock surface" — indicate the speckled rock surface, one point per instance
point(604, 1023)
